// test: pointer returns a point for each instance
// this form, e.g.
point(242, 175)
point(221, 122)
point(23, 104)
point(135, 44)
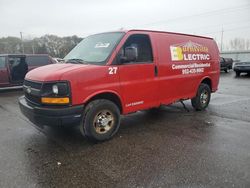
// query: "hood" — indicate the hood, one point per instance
point(52, 72)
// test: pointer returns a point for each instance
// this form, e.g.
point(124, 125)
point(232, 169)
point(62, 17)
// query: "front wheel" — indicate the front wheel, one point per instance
point(202, 98)
point(101, 120)
point(237, 73)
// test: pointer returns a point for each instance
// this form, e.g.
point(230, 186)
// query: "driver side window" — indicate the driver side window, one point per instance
point(2, 62)
point(143, 45)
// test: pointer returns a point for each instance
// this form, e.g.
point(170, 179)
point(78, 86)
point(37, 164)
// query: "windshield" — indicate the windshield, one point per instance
point(95, 48)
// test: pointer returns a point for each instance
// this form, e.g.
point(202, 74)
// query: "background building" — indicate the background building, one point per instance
point(237, 56)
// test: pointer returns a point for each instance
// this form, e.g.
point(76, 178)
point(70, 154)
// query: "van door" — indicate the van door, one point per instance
point(138, 79)
point(4, 75)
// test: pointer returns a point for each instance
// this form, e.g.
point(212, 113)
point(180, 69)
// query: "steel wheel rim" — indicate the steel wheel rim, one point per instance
point(103, 121)
point(204, 97)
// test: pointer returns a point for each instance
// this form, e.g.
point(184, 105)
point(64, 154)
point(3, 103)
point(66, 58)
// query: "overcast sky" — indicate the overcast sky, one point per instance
point(84, 17)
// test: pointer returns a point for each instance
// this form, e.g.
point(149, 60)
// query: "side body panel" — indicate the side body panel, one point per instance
point(91, 81)
point(179, 76)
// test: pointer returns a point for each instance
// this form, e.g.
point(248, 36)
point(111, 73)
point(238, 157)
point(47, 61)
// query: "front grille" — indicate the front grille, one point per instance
point(32, 98)
point(35, 85)
point(32, 91)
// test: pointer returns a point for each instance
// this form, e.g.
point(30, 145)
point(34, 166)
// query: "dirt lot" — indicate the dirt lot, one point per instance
point(171, 148)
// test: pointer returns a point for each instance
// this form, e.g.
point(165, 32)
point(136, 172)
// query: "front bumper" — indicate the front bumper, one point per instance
point(66, 116)
point(242, 68)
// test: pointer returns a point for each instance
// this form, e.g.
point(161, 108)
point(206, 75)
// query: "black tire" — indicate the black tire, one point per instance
point(198, 102)
point(94, 110)
point(237, 73)
point(226, 70)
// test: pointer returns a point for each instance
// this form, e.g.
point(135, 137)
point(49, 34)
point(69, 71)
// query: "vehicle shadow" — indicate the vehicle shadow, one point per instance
point(70, 138)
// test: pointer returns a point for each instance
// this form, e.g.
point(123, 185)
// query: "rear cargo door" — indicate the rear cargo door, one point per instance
point(138, 79)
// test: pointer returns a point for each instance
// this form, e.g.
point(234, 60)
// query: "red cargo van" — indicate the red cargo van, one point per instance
point(13, 67)
point(115, 73)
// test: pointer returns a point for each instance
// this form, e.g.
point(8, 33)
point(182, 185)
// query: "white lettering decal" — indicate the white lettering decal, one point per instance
point(134, 103)
point(112, 70)
point(194, 57)
point(193, 68)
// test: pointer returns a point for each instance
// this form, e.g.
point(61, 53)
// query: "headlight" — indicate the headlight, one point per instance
point(55, 89)
point(55, 93)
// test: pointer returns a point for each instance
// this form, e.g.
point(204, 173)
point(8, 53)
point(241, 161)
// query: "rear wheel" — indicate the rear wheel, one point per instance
point(226, 70)
point(101, 120)
point(202, 98)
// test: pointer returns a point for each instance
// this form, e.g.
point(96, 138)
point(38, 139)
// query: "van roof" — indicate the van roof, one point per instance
point(153, 31)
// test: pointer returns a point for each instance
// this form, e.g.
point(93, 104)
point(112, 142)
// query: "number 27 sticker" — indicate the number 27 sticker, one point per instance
point(112, 70)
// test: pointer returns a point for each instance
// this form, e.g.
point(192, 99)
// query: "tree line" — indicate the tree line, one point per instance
point(48, 44)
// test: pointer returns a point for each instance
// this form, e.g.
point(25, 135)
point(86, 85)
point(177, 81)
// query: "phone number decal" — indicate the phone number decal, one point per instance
point(192, 71)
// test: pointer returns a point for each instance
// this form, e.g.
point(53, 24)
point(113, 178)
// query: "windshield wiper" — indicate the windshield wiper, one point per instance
point(75, 61)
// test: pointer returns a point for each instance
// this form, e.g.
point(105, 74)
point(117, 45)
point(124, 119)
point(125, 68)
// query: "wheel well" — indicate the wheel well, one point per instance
point(208, 82)
point(109, 96)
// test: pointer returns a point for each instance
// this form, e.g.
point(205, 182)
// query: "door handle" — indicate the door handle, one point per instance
point(156, 70)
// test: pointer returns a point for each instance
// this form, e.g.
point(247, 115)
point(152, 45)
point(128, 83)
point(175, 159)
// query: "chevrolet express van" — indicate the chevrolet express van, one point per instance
point(14, 67)
point(116, 73)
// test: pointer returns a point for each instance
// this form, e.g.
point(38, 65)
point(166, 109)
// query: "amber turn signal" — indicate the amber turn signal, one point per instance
point(47, 100)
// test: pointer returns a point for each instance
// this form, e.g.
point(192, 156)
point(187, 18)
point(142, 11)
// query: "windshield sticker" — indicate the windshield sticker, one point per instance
point(102, 45)
point(189, 51)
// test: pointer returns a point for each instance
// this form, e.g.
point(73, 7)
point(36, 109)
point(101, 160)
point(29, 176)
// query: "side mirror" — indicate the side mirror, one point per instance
point(130, 54)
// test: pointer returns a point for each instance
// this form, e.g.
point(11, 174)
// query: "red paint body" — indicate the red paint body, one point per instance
point(136, 85)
